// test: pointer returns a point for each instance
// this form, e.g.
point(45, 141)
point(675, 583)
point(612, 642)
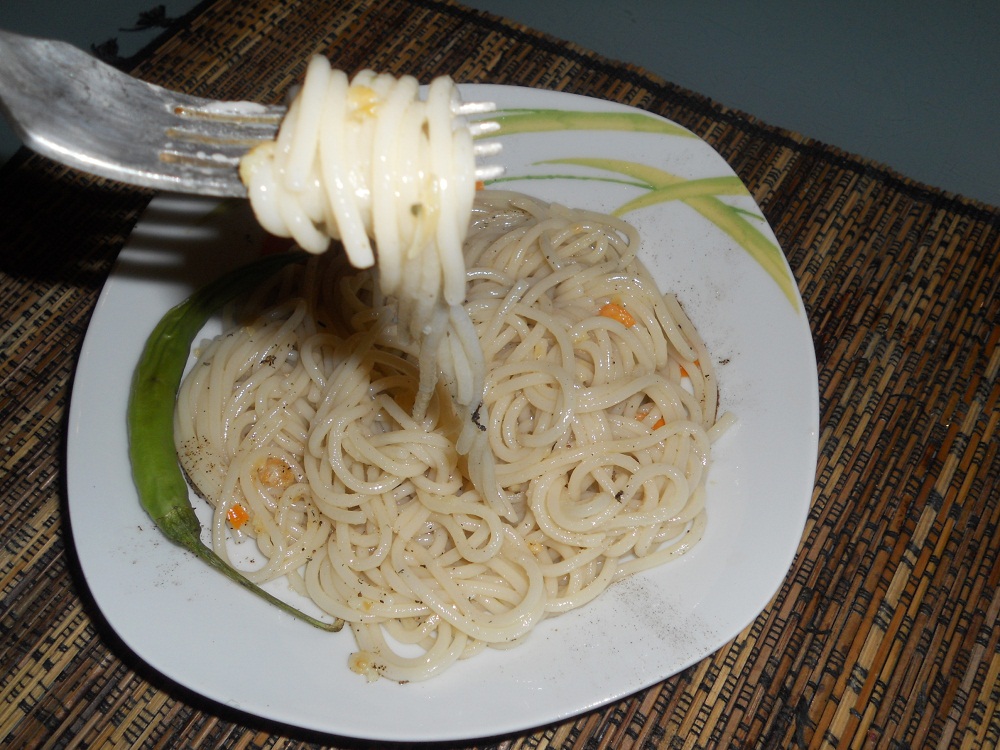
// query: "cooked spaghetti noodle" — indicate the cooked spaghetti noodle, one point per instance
point(299, 428)
point(368, 159)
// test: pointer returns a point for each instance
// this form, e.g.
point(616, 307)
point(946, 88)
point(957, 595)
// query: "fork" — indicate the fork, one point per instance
point(65, 104)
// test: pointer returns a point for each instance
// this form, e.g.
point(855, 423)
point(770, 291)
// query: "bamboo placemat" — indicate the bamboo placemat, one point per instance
point(883, 634)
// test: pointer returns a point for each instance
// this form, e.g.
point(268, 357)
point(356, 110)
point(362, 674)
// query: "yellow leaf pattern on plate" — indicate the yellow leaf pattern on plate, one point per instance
point(659, 185)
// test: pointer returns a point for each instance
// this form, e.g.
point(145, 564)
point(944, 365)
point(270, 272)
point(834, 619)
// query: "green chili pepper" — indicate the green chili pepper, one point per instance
point(163, 491)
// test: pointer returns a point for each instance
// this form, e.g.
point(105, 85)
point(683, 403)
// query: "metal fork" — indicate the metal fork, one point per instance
point(67, 105)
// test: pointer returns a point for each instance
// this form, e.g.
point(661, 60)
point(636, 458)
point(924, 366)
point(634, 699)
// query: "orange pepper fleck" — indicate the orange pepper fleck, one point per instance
point(237, 515)
point(643, 412)
point(685, 373)
point(619, 313)
point(275, 473)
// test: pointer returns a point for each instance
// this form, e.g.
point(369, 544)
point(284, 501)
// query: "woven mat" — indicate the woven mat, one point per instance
point(883, 634)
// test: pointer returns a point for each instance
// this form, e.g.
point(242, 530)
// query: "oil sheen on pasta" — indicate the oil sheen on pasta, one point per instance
point(598, 409)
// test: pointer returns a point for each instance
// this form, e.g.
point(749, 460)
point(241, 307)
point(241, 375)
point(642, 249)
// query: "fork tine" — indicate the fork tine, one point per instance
point(483, 127)
point(218, 135)
point(239, 113)
point(464, 109)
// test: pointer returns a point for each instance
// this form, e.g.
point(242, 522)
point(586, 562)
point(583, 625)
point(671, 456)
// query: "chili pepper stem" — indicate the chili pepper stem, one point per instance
point(182, 527)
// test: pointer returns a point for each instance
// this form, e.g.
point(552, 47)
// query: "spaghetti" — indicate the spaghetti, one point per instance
point(368, 159)
point(598, 410)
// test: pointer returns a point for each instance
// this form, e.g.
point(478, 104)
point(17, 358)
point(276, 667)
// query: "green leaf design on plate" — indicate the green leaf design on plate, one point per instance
point(701, 195)
point(513, 121)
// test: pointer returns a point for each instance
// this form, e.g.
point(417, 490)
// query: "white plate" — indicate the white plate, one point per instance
point(209, 635)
